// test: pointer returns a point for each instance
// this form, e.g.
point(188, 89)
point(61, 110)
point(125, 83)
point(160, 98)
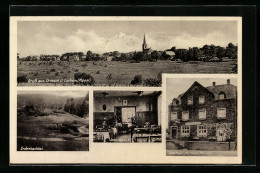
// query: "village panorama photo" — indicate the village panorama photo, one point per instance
point(128, 52)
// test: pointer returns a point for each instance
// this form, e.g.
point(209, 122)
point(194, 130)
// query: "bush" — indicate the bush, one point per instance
point(98, 72)
point(57, 74)
point(138, 79)
point(153, 82)
point(22, 79)
point(53, 70)
point(84, 79)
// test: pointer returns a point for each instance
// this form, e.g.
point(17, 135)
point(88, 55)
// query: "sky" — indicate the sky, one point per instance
point(74, 94)
point(57, 37)
point(177, 86)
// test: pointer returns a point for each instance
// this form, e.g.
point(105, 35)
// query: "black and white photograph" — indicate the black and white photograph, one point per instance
point(128, 52)
point(127, 116)
point(202, 117)
point(52, 121)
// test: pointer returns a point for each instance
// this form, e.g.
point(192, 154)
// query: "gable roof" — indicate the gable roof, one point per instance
point(199, 85)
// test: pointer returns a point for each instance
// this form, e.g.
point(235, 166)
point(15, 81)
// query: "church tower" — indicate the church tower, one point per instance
point(144, 44)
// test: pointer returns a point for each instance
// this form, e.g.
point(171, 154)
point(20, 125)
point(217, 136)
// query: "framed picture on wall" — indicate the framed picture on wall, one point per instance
point(124, 102)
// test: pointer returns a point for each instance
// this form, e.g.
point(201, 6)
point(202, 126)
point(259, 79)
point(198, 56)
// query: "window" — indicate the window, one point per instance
point(174, 103)
point(201, 99)
point(202, 114)
point(185, 116)
point(222, 96)
point(201, 131)
point(185, 131)
point(190, 100)
point(174, 116)
point(221, 113)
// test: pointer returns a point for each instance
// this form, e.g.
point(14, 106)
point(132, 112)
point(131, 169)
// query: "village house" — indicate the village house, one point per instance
point(204, 114)
point(73, 58)
point(83, 58)
point(135, 114)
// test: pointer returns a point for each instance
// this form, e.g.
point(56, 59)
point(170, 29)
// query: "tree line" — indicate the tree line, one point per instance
point(205, 53)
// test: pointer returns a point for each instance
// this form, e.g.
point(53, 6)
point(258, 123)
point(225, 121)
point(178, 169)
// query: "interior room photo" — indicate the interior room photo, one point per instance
point(127, 116)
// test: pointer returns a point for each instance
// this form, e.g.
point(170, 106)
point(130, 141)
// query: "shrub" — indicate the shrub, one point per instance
point(22, 79)
point(53, 70)
point(154, 82)
point(36, 74)
point(84, 79)
point(98, 72)
point(57, 74)
point(76, 70)
point(138, 79)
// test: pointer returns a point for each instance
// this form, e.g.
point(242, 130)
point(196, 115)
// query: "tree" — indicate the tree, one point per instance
point(155, 55)
point(231, 51)
point(89, 55)
point(69, 106)
point(138, 79)
point(137, 57)
point(220, 53)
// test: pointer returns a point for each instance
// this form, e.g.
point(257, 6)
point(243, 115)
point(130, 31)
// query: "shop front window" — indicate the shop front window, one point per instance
point(185, 131)
point(201, 131)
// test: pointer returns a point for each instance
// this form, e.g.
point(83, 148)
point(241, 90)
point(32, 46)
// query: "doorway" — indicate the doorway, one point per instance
point(125, 114)
point(174, 132)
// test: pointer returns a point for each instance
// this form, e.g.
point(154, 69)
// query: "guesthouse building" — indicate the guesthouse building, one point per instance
point(204, 113)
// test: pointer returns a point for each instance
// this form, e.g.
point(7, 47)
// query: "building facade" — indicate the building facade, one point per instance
point(204, 113)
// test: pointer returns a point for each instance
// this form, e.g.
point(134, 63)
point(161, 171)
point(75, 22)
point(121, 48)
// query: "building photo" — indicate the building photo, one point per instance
point(127, 116)
point(202, 116)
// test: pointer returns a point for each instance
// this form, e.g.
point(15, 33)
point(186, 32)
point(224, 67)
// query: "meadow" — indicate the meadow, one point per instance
point(122, 73)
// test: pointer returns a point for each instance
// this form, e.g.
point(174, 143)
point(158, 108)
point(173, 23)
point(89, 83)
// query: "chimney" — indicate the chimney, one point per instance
point(214, 83)
point(228, 81)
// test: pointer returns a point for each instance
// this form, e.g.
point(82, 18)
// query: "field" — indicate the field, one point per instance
point(122, 73)
point(42, 132)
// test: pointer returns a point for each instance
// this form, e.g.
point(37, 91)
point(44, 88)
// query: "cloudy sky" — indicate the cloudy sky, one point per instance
point(52, 37)
point(175, 87)
point(73, 94)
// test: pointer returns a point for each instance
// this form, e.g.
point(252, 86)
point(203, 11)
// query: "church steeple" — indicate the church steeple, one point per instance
point(144, 46)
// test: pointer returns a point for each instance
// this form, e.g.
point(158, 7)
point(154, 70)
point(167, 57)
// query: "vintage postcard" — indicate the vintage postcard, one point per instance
point(125, 90)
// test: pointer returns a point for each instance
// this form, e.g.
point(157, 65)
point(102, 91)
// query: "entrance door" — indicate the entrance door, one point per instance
point(221, 135)
point(174, 132)
point(127, 114)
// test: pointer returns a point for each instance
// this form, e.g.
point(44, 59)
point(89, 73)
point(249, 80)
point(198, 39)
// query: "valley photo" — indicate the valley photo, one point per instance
point(52, 121)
